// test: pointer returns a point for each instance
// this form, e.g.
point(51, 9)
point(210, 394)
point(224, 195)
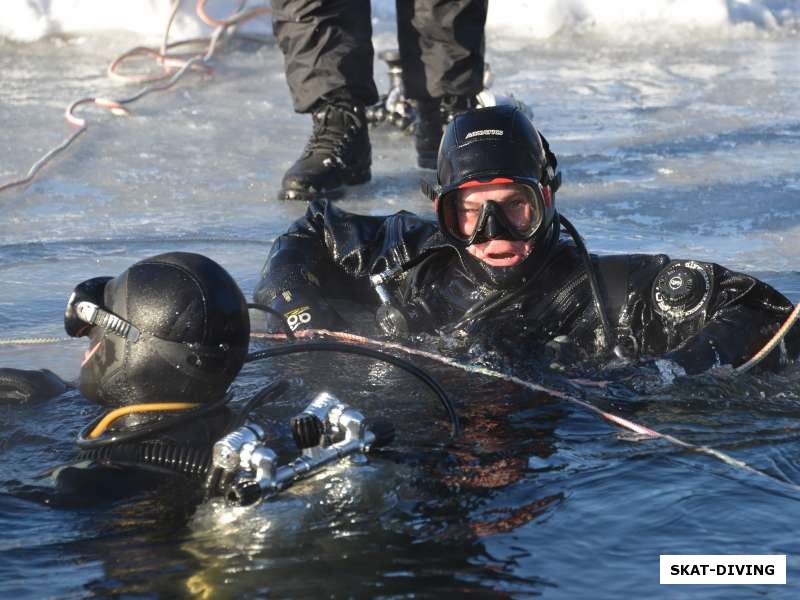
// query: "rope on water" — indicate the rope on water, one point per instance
point(174, 66)
point(481, 370)
point(774, 341)
point(33, 341)
point(610, 417)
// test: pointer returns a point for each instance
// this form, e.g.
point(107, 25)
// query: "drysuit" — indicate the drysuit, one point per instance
point(697, 314)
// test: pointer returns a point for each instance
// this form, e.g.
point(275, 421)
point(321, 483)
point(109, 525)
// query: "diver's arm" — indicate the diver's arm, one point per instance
point(744, 315)
point(30, 386)
point(325, 254)
point(731, 338)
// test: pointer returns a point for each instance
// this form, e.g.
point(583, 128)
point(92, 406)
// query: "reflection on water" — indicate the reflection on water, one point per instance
point(531, 488)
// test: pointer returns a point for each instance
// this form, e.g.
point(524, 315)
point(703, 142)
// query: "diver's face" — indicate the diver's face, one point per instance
point(495, 253)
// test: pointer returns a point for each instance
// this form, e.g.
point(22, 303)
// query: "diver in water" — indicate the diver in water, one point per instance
point(501, 264)
point(167, 337)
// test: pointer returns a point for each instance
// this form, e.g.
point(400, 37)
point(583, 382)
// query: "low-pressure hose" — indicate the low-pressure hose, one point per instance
point(455, 425)
point(280, 316)
point(272, 391)
point(87, 441)
point(608, 340)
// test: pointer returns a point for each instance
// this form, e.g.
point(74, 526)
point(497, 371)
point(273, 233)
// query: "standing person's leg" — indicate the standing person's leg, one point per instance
point(442, 47)
point(327, 47)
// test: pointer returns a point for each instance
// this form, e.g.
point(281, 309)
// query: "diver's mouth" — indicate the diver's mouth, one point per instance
point(502, 259)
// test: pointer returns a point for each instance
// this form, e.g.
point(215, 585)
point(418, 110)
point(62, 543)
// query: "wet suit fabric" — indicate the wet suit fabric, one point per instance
point(329, 253)
point(327, 46)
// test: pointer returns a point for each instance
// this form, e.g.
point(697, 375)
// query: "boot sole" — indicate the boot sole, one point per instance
point(352, 178)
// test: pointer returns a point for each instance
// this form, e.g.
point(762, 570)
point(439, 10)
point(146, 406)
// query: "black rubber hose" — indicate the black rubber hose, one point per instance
point(268, 309)
point(371, 353)
point(272, 391)
point(189, 461)
point(591, 271)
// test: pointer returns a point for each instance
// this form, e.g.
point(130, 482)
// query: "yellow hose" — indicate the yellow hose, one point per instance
point(137, 408)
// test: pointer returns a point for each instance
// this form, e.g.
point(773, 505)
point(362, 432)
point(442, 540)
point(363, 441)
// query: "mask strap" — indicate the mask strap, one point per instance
point(430, 191)
point(90, 313)
point(553, 174)
point(555, 182)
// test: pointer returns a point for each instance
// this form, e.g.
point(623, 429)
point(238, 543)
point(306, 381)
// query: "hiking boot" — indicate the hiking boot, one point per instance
point(428, 133)
point(337, 154)
point(432, 117)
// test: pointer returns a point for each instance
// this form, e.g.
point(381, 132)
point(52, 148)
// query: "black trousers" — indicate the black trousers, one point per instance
point(327, 45)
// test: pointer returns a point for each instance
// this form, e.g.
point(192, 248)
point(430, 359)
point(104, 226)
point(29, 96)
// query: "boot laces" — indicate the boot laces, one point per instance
point(328, 137)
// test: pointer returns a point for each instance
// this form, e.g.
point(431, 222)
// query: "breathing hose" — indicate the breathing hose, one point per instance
point(190, 461)
point(608, 333)
point(433, 385)
point(610, 417)
point(273, 390)
point(95, 434)
point(104, 438)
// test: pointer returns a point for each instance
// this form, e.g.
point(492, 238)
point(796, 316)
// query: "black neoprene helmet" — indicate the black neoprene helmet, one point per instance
point(494, 142)
point(173, 327)
point(495, 145)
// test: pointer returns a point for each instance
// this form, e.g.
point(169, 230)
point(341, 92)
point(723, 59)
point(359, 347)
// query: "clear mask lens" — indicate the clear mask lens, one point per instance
point(473, 215)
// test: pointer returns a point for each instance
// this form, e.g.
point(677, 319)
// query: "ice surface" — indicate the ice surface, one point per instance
point(29, 20)
point(678, 144)
point(685, 143)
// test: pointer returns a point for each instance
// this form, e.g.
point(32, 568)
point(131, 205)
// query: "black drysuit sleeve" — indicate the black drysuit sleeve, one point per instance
point(743, 316)
point(329, 254)
point(30, 386)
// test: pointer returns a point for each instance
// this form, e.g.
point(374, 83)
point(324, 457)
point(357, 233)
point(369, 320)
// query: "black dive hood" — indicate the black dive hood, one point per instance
point(491, 143)
point(170, 328)
point(499, 144)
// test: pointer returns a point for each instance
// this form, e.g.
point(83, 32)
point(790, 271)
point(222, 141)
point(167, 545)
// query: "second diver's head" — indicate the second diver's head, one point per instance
point(170, 328)
point(495, 199)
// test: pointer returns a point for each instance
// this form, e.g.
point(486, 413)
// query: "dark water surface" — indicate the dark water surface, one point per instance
point(538, 497)
point(675, 146)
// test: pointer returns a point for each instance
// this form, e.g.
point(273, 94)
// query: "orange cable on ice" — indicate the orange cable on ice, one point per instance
point(173, 67)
